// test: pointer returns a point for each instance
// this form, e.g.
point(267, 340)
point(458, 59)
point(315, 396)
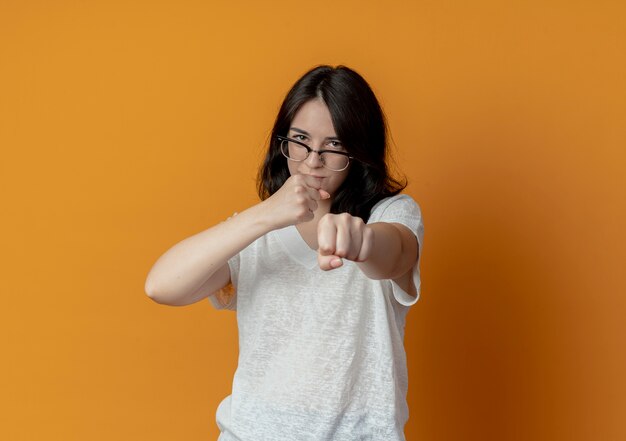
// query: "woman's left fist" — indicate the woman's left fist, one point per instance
point(342, 236)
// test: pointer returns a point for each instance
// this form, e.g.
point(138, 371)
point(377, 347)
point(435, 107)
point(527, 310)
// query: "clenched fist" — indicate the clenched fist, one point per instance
point(342, 236)
point(295, 202)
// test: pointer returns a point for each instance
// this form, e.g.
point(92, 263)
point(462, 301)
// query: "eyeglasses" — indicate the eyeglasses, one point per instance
point(298, 151)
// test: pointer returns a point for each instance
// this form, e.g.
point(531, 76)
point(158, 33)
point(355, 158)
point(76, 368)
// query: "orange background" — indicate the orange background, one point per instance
point(126, 126)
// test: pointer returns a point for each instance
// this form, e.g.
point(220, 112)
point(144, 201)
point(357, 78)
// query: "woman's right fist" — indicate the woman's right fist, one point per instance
point(295, 202)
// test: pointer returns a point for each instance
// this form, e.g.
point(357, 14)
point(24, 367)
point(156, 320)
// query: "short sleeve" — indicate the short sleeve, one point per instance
point(226, 298)
point(402, 209)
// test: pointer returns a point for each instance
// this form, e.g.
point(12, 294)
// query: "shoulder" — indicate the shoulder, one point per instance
point(401, 205)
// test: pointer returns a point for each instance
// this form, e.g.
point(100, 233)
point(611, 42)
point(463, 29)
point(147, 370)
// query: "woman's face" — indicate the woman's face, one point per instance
point(313, 126)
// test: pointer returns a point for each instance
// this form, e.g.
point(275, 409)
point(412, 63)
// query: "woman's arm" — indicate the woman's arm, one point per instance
point(394, 251)
point(382, 250)
point(196, 267)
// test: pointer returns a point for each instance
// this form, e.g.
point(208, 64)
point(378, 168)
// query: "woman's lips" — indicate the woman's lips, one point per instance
point(314, 181)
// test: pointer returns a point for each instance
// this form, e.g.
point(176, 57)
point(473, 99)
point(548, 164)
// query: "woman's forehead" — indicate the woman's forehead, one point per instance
point(313, 119)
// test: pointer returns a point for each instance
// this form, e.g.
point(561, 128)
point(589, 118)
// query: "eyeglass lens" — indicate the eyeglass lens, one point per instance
point(330, 160)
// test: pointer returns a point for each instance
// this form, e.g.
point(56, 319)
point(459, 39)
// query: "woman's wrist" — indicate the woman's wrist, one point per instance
point(260, 219)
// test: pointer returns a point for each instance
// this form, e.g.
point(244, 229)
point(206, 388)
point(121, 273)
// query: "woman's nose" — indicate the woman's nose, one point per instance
point(314, 160)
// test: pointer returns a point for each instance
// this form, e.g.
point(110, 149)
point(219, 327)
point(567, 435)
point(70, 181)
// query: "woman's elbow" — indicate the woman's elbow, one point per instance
point(168, 297)
point(153, 291)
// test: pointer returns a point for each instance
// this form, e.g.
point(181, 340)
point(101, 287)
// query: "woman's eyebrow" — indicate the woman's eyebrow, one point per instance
point(304, 132)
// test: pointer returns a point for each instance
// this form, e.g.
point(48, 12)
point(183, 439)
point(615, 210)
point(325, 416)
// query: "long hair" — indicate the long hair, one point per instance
point(360, 125)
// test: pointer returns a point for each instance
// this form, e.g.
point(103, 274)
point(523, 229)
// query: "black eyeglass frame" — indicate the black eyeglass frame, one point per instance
point(309, 150)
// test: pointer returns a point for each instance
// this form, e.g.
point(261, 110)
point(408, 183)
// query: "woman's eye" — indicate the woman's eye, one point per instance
point(299, 137)
point(336, 145)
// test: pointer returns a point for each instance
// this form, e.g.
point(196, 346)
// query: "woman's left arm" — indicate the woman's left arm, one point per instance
point(382, 250)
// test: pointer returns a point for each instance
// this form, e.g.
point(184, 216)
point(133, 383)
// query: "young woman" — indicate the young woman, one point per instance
point(321, 272)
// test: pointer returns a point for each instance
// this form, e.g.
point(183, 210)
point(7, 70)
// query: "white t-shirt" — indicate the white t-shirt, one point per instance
point(321, 354)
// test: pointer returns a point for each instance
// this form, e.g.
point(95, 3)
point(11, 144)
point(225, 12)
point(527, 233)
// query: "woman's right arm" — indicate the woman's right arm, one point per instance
point(197, 267)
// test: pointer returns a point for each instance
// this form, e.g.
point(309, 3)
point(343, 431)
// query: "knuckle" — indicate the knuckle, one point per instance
point(325, 249)
point(324, 220)
point(341, 252)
